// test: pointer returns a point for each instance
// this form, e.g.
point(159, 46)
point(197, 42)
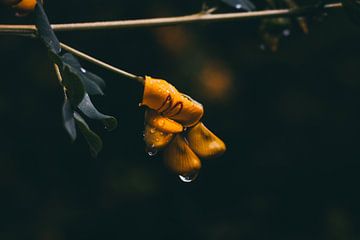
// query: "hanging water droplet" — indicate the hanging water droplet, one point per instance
point(151, 151)
point(140, 104)
point(189, 177)
point(286, 32)
point(83, 70)
point(238, 6)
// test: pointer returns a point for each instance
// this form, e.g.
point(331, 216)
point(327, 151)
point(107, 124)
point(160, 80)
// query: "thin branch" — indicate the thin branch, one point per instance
point(203, 17)
point(58, 74)
point(101, 63)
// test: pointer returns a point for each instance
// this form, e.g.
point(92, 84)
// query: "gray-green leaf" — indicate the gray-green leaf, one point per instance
point(68, 118)
point(87, 107)
point(94, 141)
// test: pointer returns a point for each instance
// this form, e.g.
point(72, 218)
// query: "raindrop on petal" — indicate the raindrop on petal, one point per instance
point(189, 177)
point(151, 151)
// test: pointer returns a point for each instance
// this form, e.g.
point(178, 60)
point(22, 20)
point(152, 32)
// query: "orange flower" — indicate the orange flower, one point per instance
point(26, 5)
point(172, 123)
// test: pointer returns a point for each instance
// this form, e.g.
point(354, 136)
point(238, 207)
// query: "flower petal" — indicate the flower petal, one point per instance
point(180, 158)
point(161, 123)
point(204, 143)
point(169, 102)
point(155, 139)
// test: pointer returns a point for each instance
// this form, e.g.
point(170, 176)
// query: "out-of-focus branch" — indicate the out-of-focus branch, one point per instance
point(203, 17)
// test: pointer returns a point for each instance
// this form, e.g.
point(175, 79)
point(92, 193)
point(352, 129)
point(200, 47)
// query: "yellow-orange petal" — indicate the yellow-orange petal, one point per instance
point(155, 139)
point(169, 102)
point(179, 157)
point(161, 123)
point(26, 5)
point(205, 143)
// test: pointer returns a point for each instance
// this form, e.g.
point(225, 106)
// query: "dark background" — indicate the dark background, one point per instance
point(290, 120)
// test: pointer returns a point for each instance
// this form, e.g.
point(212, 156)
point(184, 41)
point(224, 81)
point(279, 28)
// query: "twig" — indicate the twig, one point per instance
point(203, 17)
point(58, 74)
point(102, 64)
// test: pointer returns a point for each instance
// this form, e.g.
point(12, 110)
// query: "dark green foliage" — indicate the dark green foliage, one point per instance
point(78, 84)
point(68, 117)
point(87, 107)
point(94, 141)
point(45, 32)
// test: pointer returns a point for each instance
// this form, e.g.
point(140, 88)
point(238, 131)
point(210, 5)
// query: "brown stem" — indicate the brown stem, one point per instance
point(203, 17)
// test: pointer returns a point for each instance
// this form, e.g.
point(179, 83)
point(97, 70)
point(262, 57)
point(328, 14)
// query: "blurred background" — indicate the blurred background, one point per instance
point(290, 119)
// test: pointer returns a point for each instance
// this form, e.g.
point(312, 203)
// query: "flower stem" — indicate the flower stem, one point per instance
point(203, 17)
point(101, 63)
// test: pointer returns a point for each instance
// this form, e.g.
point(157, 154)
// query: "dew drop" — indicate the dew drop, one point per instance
point(152, 130)
point(286, 33)
point(238, 6)
point(151, 151)
point(83, 70)
point(189, 177)
point(140, 104)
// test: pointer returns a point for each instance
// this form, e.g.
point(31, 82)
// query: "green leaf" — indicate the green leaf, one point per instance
point(87, 107)
point(73, 84)
point(68, 118)
point(352, 7)
point(91, 86)
point(69, 59)
point(94, 141)
point(96, 79)
point(55, 58)
point(45, 31)
point(92, 83)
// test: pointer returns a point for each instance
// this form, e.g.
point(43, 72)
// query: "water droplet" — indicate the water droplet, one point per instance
point(152, 130)
point(83, 70)
point(151, 151)
point(140, 104)
point(189, 177)
point(156, 139)
point(286, 33)
point(238, 6)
